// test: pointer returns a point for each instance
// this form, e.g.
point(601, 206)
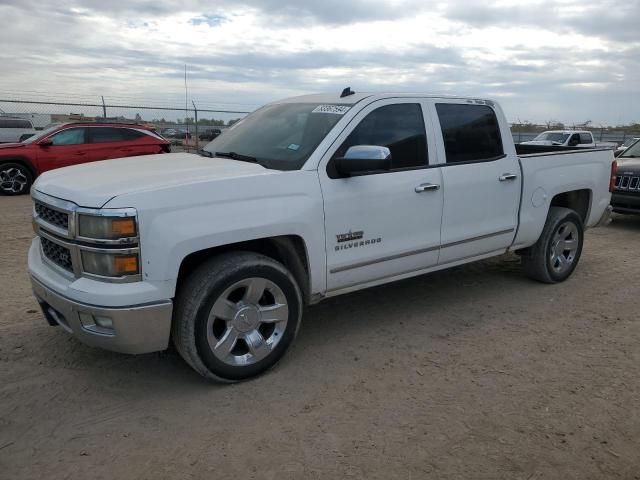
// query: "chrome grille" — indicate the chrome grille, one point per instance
point(58, 254)
point(51, 216)
point(627, 183)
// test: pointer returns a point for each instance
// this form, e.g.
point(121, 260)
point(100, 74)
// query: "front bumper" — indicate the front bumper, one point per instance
point(130, 329)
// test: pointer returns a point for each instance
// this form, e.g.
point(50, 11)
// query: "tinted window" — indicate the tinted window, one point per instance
point(130, 134)
point(71, 136)
point(398, 127)
point(106, 134)
point(470, 132)
point(585, 138)
point(11, 123)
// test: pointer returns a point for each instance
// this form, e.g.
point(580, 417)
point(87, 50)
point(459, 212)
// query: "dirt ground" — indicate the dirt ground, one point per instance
point(472, 373)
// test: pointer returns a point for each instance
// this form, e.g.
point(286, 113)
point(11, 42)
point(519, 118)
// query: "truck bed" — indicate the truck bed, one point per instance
point(548, 173)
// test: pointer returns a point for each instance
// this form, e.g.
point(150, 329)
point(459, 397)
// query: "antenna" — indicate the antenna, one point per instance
point(346, 92)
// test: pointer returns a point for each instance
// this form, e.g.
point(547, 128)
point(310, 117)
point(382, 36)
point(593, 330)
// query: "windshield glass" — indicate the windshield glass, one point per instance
point(280, 136)
point(630, 142)
point(40, 134)
point(552, 137)
point(632, 152)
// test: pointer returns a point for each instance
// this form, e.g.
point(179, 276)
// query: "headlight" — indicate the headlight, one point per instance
point(106, 228)
point(110, 264)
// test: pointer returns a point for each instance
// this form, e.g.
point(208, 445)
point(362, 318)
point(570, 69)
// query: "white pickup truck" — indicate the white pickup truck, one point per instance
point(304, 199)
point(569, 138)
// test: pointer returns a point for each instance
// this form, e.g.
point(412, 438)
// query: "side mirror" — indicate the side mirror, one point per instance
point(45, 143)
point(361, 159)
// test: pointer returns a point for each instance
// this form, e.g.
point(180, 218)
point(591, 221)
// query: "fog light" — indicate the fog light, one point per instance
point(103, 322)
point(96, 323)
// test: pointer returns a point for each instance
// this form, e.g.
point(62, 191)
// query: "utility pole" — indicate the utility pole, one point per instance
point(104, 108)
point(195, 112)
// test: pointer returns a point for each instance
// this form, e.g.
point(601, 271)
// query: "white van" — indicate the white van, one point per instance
point(13, 130)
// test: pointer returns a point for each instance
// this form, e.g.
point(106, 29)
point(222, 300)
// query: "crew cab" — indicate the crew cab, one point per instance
point(68, 144)
point(569, 138)
point(306, 198)
point(626, 195)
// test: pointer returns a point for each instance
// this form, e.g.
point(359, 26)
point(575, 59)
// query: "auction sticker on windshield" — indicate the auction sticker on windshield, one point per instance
point(335, 109)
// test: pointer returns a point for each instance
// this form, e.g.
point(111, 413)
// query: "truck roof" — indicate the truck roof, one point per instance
point(568, 132)
point(336, 98)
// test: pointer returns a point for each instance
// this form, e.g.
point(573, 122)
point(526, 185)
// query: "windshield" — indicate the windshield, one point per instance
point(552, 137)
point(632, 152)
point(280, 136)
point(630, 142)
point(41, 134)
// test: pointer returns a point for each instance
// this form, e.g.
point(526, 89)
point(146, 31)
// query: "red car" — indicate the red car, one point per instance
point(72, 144)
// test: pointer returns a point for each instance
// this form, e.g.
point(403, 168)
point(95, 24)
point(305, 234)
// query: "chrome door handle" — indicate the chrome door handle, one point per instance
point(507, 176)
point(427, 187)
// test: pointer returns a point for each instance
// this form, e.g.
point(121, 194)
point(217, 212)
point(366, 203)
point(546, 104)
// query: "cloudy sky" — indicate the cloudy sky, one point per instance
point(564, 60)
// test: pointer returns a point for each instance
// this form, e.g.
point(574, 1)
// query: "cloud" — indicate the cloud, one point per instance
point(565, 59)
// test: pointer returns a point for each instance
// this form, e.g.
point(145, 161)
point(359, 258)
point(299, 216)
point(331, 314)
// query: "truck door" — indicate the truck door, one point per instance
point(481, 180)
point(382, 224)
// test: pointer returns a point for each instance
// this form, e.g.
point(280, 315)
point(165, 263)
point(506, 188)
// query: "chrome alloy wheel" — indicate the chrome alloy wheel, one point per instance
point(247, 321)
point(564, 247)
point(12, 180)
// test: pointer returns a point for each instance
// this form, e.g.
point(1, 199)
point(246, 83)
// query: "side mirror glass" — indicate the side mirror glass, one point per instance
point(361, 159)
point(46, 143)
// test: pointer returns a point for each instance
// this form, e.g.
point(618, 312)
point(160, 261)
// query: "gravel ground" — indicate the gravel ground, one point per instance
point(471, 373)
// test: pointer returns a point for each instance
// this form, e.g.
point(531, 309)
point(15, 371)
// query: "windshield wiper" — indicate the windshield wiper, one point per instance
point(237, 156)
point(205, 153)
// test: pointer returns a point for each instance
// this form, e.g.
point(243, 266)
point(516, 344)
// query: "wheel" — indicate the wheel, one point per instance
point(236, 315)
point(555, 255)
point(15, 179)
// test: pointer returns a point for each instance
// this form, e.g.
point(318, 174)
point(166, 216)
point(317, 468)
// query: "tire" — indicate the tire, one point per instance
point(557, 252)
point(236, 315)
point(15, 179)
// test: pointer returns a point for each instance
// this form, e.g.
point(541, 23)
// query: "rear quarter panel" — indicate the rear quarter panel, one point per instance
point(547, 175)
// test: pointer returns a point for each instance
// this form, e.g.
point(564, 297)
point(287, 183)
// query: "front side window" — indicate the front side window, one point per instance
point(470, 132)
point(71, 136)
point(279, 136)
point(400, 128)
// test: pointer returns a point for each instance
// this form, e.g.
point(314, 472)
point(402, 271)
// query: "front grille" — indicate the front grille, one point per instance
point(58, 254)
point(627, 183)
point(51, 216)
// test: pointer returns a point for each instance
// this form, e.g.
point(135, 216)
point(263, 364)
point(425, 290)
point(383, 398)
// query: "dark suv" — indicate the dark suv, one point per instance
point(626, 196)
point(71, 144)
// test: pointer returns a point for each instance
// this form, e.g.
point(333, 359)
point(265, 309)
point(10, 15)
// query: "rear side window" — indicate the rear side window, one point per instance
point(471, 132)
point(398, 127)
point(130, 134)
point(106, 134)
point(585, 138)
point(11, 123)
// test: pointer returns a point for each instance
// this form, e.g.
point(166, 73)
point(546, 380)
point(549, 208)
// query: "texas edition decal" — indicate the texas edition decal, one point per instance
point(354, 240)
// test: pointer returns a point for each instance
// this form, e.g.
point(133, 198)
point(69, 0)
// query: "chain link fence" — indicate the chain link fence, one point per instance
point(188, 127)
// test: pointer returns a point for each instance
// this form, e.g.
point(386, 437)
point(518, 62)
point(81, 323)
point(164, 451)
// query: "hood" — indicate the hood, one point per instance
point(12, 145)
point(94, 184)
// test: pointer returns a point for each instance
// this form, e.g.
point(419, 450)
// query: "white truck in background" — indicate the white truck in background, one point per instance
point(569, 138)
point(306, 198)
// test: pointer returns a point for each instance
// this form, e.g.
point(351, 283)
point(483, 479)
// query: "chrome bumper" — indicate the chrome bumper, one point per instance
point(132, 329)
